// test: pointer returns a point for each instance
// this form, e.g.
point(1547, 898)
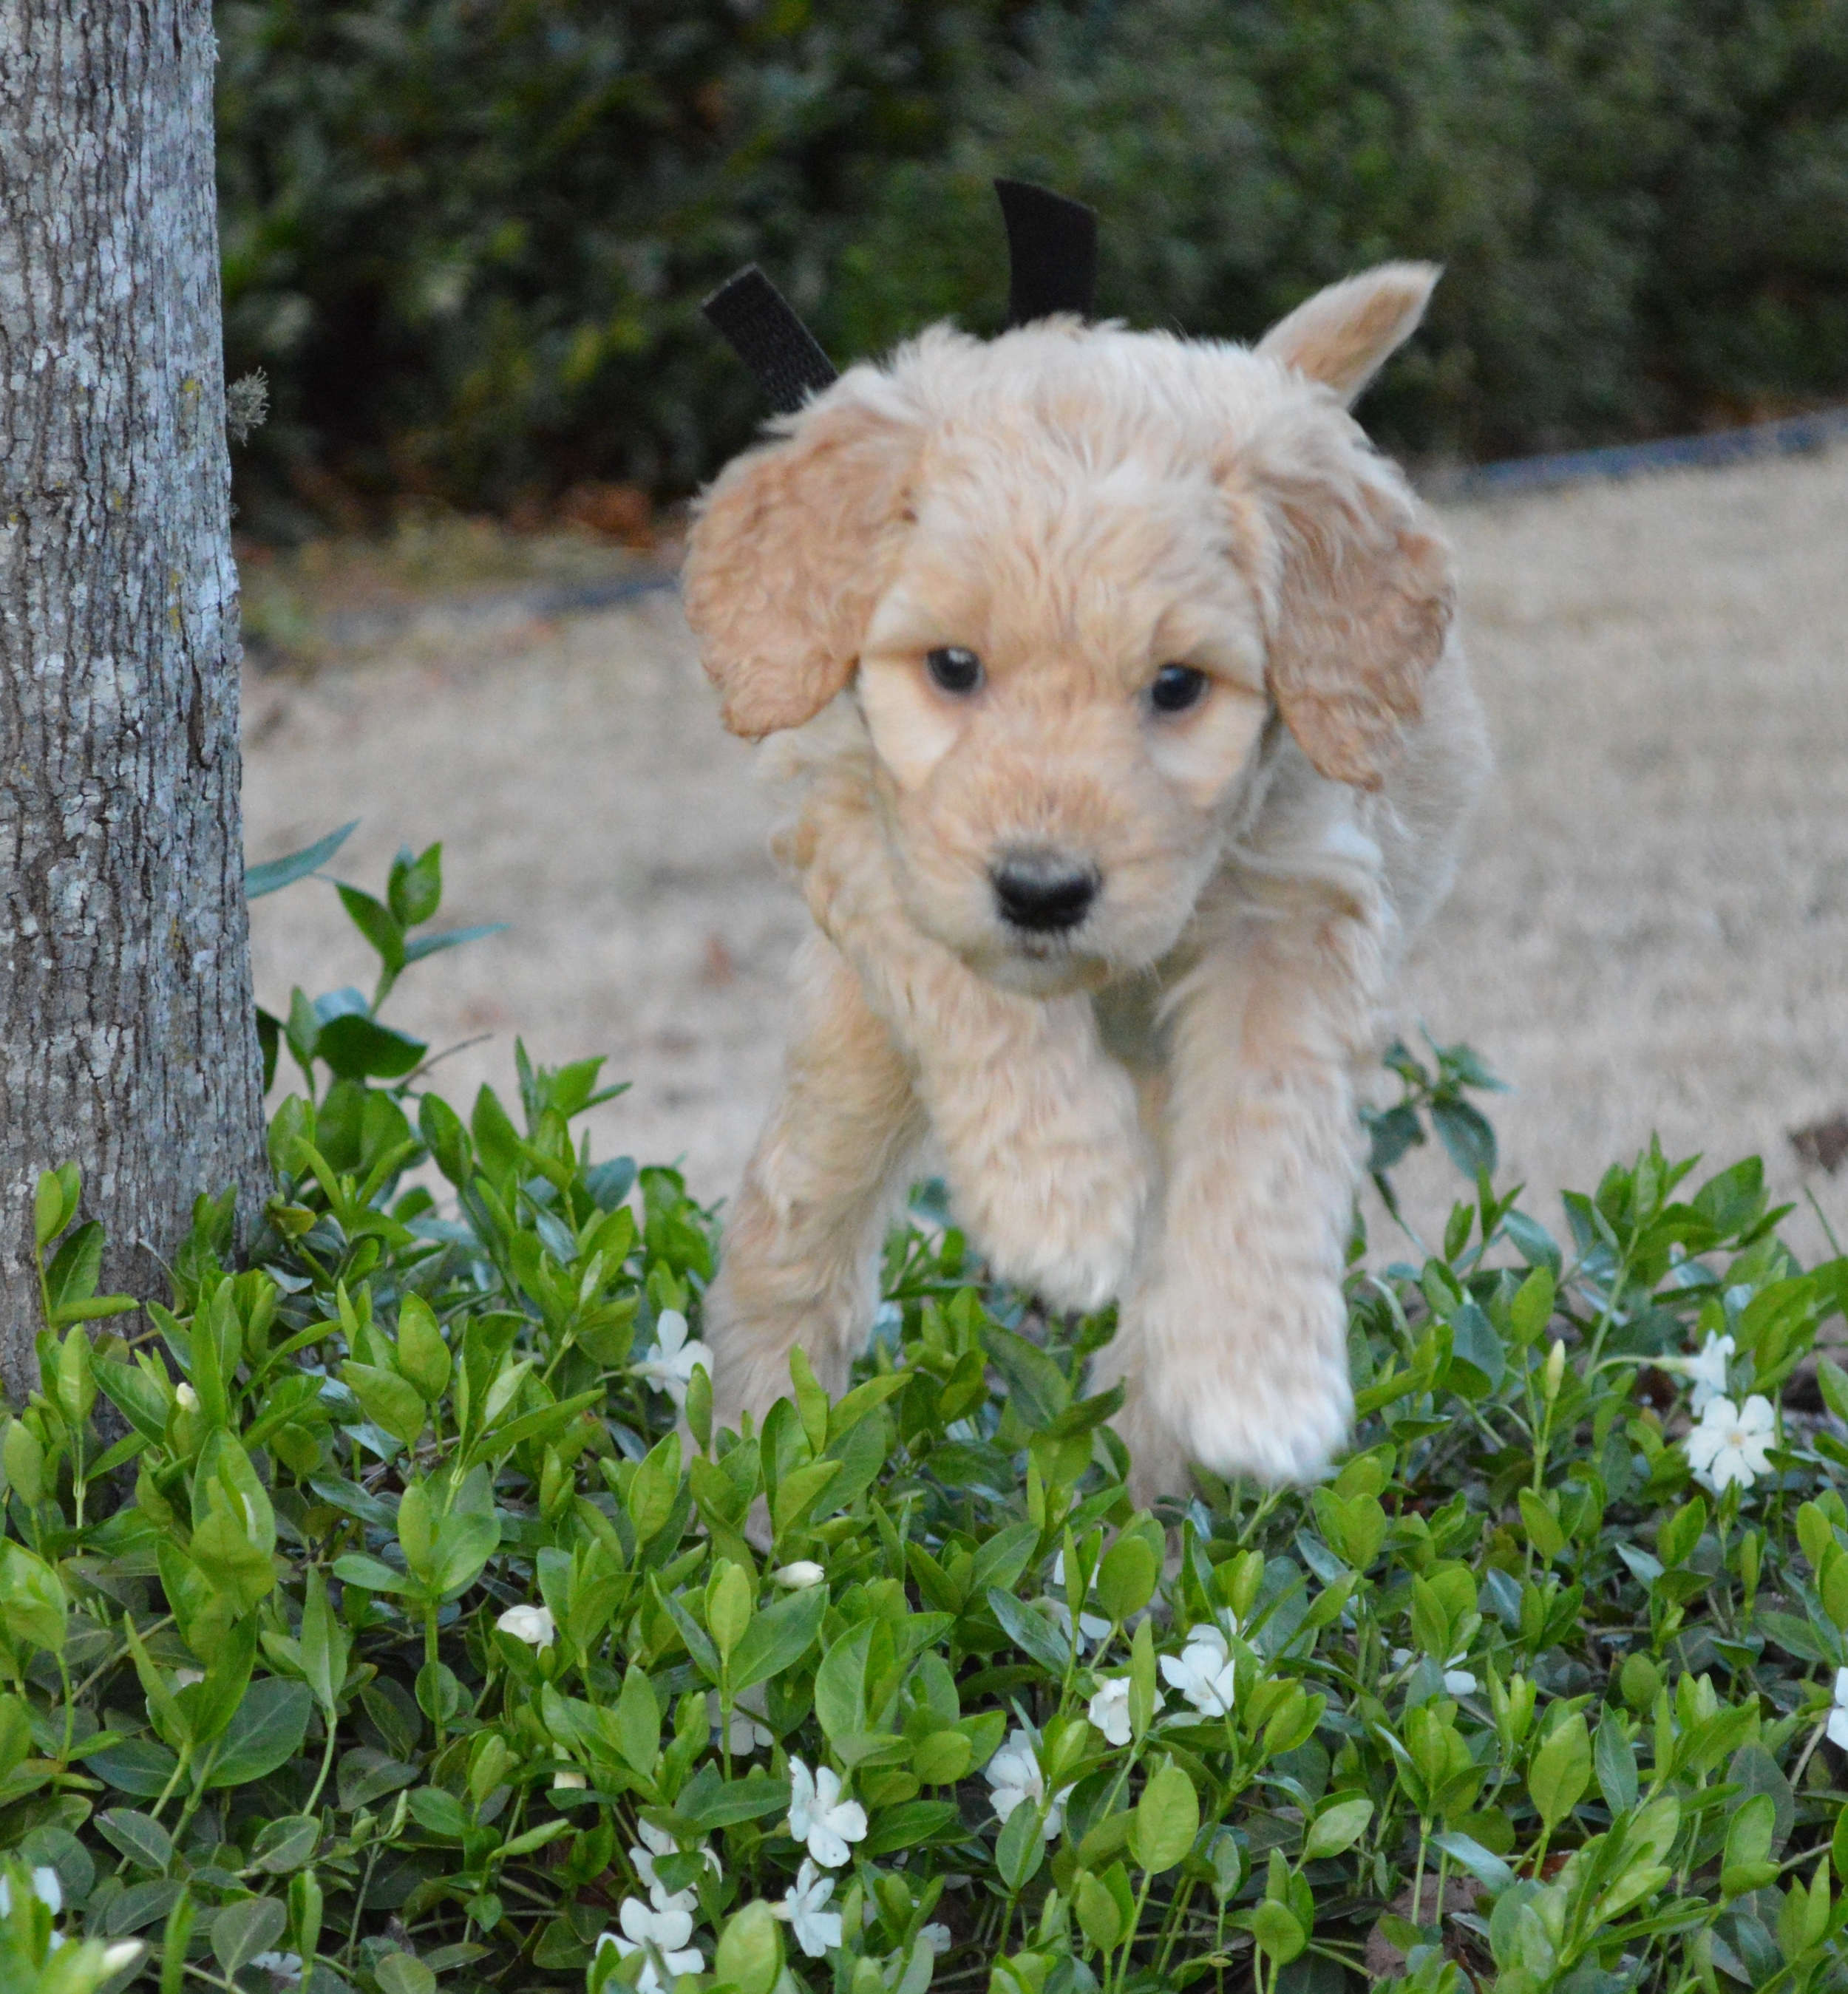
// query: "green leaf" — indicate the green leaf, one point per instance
point(778, 1638)
point(1020, 1847)
point(1747, 1865)
point(54, 1203)
point(1542, 1526)
point(1561, 1770)
point(241, 1929)
point(139, 1836)
point(1168, 1819)
point(274, 873)
point(286, 1843)
point(378, 923)
point(1275, 1927)
point(639, 1721)
point(420, 946)
point(841, 1683)
point(1616, 1765)
point(414, 891)
point(359, 1048)
point(1027, 1629)
point(265, 1731)
point(71, 1278)
point(355, 1568)
point(750, 1950)
point(389, 1401)
point(910, 1824)
point(1337, 1828)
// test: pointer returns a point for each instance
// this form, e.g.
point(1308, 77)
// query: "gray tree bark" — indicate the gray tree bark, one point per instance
point(127, 1038)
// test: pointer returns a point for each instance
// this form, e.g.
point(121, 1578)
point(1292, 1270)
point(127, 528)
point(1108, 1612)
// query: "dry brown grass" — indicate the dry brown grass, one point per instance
point(1651, 932)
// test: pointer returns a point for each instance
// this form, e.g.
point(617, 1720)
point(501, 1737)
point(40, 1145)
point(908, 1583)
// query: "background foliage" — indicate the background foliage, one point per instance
point(442, 1642)
point(468, 238)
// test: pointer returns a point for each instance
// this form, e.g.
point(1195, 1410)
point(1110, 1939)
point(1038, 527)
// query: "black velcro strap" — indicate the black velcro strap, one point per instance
point(761, 327)
point(1051, 251)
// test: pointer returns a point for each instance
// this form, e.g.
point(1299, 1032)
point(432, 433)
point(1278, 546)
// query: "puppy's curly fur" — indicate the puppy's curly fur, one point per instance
point(1154, 1100)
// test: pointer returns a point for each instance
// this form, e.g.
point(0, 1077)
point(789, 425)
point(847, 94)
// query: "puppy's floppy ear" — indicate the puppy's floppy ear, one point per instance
point(1361, 591)
point(1344, 335)
point(791, 551)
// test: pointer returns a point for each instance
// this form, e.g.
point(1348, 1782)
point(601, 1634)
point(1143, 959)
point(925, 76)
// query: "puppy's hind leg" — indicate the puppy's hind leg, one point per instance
point(799, 1254)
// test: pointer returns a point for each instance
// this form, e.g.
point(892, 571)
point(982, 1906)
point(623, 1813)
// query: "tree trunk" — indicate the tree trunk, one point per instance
point(128, 1039)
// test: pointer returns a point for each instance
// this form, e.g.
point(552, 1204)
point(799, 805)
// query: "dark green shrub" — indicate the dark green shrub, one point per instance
point(468, 238)
point(432, 1646)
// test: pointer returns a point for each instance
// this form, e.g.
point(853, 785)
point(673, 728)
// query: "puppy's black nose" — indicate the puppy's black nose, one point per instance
point(1044, 891)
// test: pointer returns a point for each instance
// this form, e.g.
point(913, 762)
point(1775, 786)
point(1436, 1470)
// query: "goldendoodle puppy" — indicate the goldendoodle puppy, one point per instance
point(1114, 673)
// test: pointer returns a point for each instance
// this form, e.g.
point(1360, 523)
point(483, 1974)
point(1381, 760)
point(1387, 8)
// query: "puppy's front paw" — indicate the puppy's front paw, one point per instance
point(1057, 1208)
point(1253, 1385)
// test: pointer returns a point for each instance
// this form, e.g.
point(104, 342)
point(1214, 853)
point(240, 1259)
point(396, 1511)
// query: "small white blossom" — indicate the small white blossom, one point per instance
point(279, 1965)
point(1706, 1373)
point(186, 1397)
point(183, 1678)
point(1013, 1773)
point(938, 1938)
point(1202, 1672)
point(46, 1888)
point(747, 1734)
point(817, 1929)
point(820, 1817)
point(567, 1778)
point(1838, 1716)
point(534, 1625)
point(671, 1367)
point(1091, 1627)
point(666, 1932)
point(1109, 1709)
point(804, 1573)
point(1731, 1443)
point(125, 1952)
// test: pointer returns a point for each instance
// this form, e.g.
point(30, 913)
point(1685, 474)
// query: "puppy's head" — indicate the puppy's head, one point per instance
point(1074, 574)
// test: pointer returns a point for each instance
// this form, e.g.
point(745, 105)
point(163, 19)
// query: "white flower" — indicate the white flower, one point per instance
point(186, 1398)
point(1091, 1629)
point(747, 1735)
point(1457, 1679)
point(671, 1367)
point(1731, 1443)
point(665, 1932)
point(938, 1938)
point(183, 1678)
point(279, 1965)
point(804, 1572)
point(1014, 1774)
point(46, 1888)
point(1109, 1709)
point(125, 1952)
point(817, 1930)
point(1838, 1717)
point(1707, 1372)
point(1202, 1671)
point(568, 1779)
point(819, 1817)
point(534, 1625)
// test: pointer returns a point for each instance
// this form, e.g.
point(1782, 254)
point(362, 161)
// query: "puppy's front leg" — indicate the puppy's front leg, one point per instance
point(1046, 1161)
point(1234, 1340)
point(802, 1245)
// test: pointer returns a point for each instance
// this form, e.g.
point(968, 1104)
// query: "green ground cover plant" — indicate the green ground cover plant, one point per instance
point(383, 1613)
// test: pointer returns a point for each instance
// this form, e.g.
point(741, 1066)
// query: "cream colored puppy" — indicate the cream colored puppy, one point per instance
point(1113, 670)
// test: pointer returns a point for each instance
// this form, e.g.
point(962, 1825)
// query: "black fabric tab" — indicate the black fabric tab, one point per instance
point(1051, 250)
point(761, 327)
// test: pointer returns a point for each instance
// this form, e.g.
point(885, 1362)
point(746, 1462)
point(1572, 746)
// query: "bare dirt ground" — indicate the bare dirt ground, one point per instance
point(1651, 931)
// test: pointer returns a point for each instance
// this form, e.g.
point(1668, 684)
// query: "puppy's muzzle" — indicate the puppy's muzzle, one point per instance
point(1044, 892)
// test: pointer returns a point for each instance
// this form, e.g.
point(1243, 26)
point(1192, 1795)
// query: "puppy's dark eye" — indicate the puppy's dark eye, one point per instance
point(954, 669)
point(1177, 688)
